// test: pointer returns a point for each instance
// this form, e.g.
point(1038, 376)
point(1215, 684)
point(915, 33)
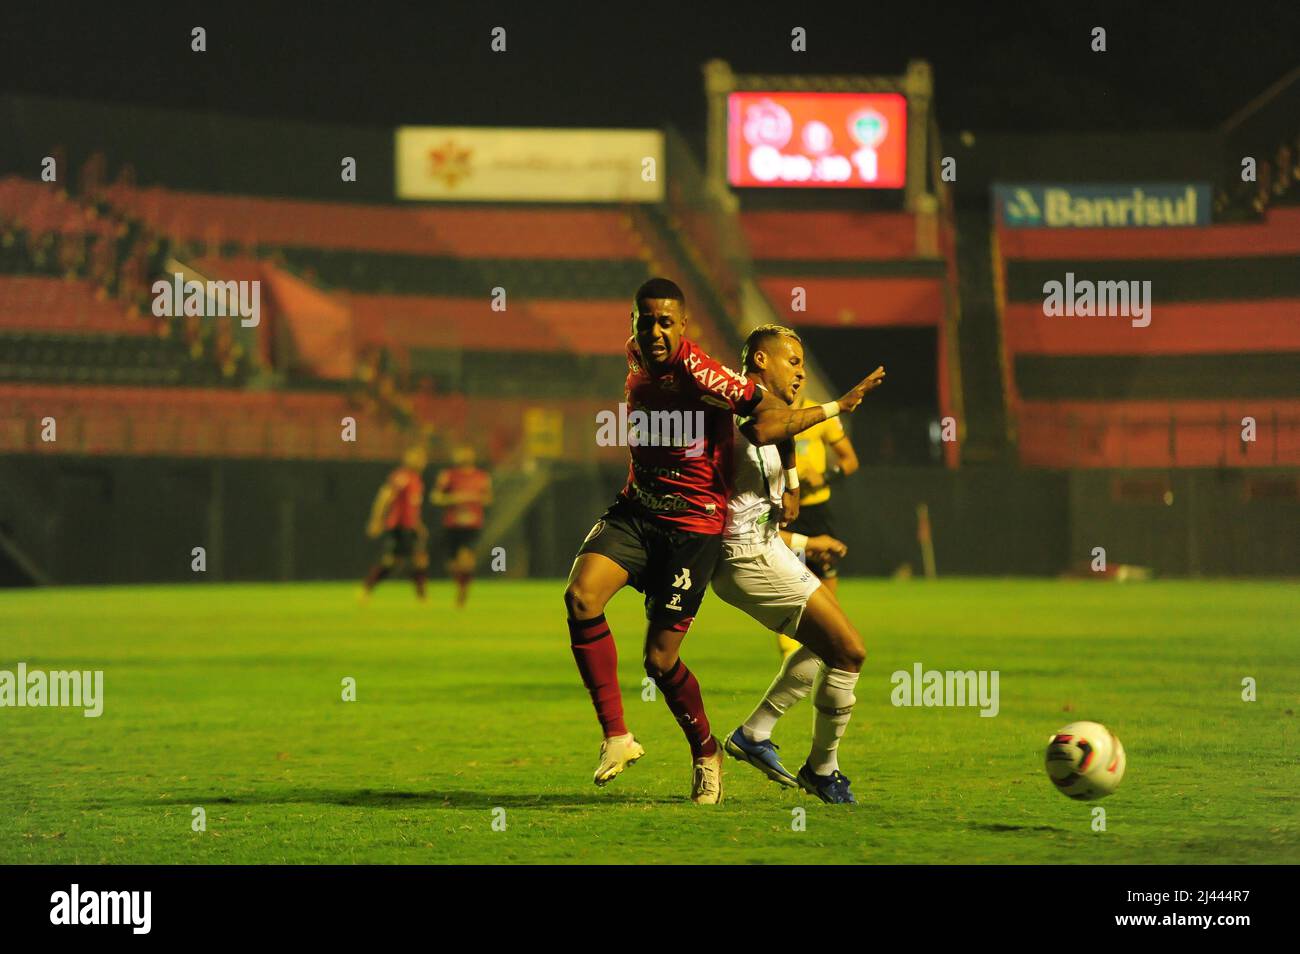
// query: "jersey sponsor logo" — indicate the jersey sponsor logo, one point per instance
point(717, 378)
point(650, 472)
point(595, 531)
point(665, 503)
point(724, 383)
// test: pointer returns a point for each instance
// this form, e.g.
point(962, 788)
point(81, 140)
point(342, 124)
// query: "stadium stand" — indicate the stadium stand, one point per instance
point(375, 344)
point(870, 287)
point(1223, 344)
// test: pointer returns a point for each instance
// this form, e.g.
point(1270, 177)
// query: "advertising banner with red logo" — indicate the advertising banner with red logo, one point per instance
point(460, 163)
point(817, 140)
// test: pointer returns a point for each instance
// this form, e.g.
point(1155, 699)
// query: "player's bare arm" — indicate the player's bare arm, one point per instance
point(820, 547)
point(845, 455)
point(440, 496)
point(773, 420)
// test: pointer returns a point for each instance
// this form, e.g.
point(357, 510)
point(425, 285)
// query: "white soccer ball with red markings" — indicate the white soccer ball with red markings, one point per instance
point(1085, 760)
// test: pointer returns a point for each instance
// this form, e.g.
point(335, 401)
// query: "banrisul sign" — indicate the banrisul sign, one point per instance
point(1152, 205)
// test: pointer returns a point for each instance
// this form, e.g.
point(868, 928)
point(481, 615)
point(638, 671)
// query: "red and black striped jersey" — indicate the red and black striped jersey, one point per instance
point(681, 436)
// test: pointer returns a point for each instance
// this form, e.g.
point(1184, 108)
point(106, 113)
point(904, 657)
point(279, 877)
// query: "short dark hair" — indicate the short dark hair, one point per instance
point(759, 337)
point(659, 288)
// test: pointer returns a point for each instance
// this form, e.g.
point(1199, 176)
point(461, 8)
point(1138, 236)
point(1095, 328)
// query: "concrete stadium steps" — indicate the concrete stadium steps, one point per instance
point(210, 422)
point(189, 422)
point(376, 272)
point(99, 359)
point(830, 235)
point(46, 207)
point(446, 323)
point(1158, 434)
point(1203, 327)
point(1277, 234)
point(473, 232)
point(41, 303)
point(858, 302)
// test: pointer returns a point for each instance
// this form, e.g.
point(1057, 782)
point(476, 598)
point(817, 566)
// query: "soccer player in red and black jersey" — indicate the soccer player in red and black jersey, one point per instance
point(395, 516)
point(463, 490)
point(663, 533)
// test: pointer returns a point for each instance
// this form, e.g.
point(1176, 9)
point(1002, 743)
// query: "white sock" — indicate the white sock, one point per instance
point(834, 699)
point(792, 683)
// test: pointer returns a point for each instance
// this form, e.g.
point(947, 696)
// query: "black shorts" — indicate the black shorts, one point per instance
point(402, 543)
point(671, 567)
point(813, 522)
point(458, 537)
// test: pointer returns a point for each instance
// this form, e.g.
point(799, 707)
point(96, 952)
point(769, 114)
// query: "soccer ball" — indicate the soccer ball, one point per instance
point(1085, 760)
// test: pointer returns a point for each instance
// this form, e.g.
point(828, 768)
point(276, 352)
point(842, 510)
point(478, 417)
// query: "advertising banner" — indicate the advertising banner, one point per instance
point(1053, 206)
point(477, 164)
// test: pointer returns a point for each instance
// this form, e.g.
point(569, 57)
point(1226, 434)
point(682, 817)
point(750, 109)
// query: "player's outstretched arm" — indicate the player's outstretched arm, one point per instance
point(773, 421)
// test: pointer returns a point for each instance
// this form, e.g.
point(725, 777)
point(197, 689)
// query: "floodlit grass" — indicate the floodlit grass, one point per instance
point(228, 697)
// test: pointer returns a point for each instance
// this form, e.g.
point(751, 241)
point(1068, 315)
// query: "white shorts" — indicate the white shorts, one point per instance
point(767, 581)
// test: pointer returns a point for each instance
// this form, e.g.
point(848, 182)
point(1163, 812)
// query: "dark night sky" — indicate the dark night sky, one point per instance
point(998, 67)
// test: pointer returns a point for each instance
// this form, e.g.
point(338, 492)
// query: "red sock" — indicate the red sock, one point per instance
point(682, 693)
point(597, 658)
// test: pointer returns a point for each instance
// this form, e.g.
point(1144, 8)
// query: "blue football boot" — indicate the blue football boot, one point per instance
point(761, 755)
point(833, 788)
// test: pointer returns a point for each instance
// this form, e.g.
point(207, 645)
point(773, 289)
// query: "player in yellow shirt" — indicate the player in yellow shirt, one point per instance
point(814, 448)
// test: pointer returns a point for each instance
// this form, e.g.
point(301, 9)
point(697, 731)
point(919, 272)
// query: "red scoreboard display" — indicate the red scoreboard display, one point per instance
point(817, 140)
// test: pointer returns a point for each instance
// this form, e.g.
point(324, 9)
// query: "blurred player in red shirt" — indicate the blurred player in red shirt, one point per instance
point(395, 516)
point(464, 491)
point(663, 534)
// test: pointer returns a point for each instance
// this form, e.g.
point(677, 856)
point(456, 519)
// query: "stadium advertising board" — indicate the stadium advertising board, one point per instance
point(1152, 205)
point(817, 140)
point(529, 165)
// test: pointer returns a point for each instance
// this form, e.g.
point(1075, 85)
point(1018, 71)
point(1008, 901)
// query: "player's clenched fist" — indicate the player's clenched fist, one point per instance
point(849, 403)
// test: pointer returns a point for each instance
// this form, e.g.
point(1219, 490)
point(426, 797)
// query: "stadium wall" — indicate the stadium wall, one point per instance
point(127, 520)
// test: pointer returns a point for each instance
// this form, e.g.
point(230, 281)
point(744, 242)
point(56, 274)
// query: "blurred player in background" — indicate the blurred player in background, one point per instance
point(662, 535)
point(823, 454)
point(395, 515)
point(464, 491)
point(760, 573)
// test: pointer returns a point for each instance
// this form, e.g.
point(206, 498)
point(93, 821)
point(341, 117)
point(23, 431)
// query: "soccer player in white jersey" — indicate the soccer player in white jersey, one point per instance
point(761, 573)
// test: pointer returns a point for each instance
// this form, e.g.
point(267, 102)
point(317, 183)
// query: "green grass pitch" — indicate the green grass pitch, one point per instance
point(228, 697)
